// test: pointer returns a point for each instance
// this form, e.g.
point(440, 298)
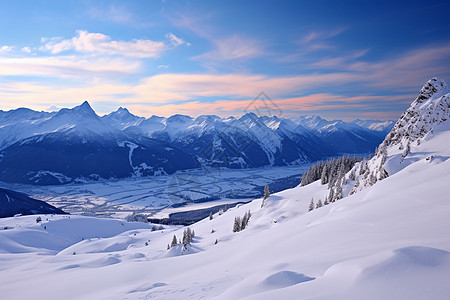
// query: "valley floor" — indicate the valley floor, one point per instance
point(162, 195)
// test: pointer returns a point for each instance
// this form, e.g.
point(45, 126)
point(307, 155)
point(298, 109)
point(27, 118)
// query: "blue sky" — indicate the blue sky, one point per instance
point(337, 59)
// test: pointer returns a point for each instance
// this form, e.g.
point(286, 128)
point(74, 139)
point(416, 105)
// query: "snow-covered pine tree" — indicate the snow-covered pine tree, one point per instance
point(331, 196)
point(174, 241)
point(237, 224)
point(311, 204)
point(266, 195)
point(266, 192)
point(319, 204)
point(245, 219)
point(210, 215)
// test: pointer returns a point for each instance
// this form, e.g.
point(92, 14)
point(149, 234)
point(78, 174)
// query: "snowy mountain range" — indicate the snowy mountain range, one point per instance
point(386, 240)
point(77, 145)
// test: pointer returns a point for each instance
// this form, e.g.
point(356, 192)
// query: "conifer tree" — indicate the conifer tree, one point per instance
point(319, 204)
point(174, 241)
point(311, 205)
point(237, 224)
point(266, 195)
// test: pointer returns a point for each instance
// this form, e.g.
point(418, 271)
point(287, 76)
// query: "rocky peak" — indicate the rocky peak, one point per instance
point(423, 118)
point(433, 87)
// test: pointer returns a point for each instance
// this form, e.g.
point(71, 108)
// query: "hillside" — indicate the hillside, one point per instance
point(13, 203)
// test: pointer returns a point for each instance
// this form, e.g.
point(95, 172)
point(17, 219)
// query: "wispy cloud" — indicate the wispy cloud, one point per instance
point(226, 50)
point(176, 41)
point(5, 48)
point(103, 44)
point(233, 48)
point(64, 66)
point(314, 36)
point(402, 72)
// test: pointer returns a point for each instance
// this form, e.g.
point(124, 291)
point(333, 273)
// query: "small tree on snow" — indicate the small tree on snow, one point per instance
point(174, 241)
point(266, 195)
point(237, 224)
point(326, 201)
point(38, 219)
point(319, 204)
point(311, 205)
point(407, 149)
point(210, 215)
point(245, 219)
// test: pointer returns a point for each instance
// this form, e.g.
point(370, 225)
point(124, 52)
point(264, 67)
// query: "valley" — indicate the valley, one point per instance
point(159, 196)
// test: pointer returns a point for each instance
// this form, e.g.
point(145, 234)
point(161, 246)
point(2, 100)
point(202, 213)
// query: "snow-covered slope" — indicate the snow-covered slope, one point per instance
point(376, 125)
point(388, 241)
point(122, 118)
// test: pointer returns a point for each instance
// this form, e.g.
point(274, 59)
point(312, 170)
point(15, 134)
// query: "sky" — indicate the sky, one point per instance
point(335, 59)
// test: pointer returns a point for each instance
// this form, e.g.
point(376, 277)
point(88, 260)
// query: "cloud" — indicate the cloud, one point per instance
point(66, 66)
point(26, 49)
point(320, 35)
point(99, 43)
point(323, 103)
point(225, 48)
point(176, 41)
point(402, 72)
point(5, 48)
point(232, 48)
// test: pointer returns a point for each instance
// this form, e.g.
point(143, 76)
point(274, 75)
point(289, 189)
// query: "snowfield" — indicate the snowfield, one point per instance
point(388, 241)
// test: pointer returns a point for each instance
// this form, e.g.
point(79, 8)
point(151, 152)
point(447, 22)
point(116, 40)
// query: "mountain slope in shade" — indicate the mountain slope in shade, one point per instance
point(13, 203)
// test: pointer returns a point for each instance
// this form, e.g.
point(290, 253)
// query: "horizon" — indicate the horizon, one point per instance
point(193, 117)
point(345, 61)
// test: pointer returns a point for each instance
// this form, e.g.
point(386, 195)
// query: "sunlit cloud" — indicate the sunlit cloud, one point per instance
point(99, 43)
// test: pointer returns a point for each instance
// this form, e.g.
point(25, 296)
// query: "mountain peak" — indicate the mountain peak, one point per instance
point(433, 87)
point(86, 105)
point(431, 108)
point(123, 109)
point(84, 108)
